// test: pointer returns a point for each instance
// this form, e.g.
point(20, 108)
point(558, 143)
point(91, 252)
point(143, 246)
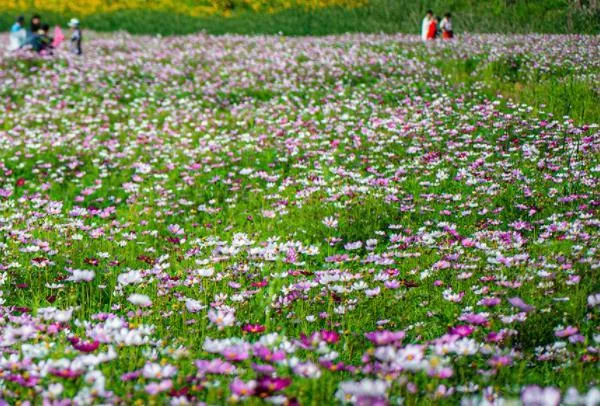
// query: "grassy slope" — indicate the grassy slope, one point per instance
point(380, 15)
point(571, 96)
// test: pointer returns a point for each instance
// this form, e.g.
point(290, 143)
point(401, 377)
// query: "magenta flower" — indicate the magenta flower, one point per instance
point(131, 376)
point(86, 346)
point(267, 386)
point(66, 373)
point(461, 330)
point(330, 337)
point(253, 328)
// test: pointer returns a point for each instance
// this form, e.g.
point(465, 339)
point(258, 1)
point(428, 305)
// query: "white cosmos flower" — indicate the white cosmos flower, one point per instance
point(194, 306)
point(129, 278)
point(81, 276)
point(140, 300)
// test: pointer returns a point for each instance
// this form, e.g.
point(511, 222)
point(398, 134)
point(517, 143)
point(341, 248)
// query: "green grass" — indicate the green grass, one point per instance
point(504, 16)
point(569, 95)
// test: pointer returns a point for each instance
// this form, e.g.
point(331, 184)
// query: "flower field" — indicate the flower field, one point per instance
point(314, 221)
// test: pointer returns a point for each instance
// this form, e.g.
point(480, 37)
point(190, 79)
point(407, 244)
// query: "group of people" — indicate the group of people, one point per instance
point(434, 27)
point(37, 37)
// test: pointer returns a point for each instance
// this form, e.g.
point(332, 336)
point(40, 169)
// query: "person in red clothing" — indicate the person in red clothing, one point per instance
point(446, 27)
point(432, 32)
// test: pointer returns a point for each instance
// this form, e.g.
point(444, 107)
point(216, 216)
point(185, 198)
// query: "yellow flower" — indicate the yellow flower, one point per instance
point(192, 8)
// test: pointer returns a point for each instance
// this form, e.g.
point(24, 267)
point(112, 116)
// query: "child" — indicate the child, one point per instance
point(432, 30)
point(446, 27)
point(18, 34)
point(425, 25)
point(76, 36)
point(42, 41)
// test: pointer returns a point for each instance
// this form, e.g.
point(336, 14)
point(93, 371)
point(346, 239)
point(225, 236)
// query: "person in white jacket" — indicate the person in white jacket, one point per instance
point(18, 34)
point(425, 25)
point(446, 27)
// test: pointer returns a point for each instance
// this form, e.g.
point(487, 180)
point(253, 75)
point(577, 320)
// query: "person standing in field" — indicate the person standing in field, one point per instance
point(76, 36)
point(432, 29)
point(18, 34)
point(425, 24)
point(446, 27)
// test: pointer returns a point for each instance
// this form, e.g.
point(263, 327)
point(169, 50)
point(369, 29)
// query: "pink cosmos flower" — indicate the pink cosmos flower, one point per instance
point(520, 304)
point(241, 388)
point(215, 366)
point(567, 331)
point(266, 354)
point(235, 353)
point(176, 229)
point(154, 388)
point(385, 337)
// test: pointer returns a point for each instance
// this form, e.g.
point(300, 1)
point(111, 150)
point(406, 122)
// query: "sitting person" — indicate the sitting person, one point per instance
point(18, 34)
point(35, 25)
point(41, 41)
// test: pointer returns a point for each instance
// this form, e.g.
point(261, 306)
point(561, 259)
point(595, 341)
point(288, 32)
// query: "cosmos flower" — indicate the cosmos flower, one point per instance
point(536, 396)
point(241, 388)
point(566, 332)
point(520, 304)
point(267, 386)
point(154, 388)
point(307, 185)
point(253, 328)
point(221, 318)
point(140, 300)
point(461, 330)
point(385, 337)
point(78, 275)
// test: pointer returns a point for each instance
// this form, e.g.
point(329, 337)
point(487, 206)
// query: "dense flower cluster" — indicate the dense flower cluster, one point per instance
point(299, 221)
point(187, 7)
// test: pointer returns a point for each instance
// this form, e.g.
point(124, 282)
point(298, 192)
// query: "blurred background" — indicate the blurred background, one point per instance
point(310, 17)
